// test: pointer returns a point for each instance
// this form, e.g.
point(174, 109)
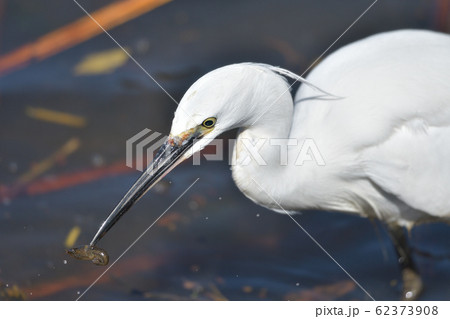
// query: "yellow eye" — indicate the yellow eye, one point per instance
point(209, 122)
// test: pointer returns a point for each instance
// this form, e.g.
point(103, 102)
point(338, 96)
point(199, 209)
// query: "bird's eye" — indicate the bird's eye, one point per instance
point(209, 122)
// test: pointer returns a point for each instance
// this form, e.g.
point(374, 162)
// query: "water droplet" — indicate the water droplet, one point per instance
point(64, 262)
point(257, 215)
point(162, 187)
point(7, 285)
point(97, 160)
point(193, 205)
point(206, 218)
point(78, 292)
point(297, 284)
point(220, 198)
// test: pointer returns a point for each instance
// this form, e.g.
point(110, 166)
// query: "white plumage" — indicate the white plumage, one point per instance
point(389, 138)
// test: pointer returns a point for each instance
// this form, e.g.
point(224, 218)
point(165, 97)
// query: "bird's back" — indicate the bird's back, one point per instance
point(391, 130)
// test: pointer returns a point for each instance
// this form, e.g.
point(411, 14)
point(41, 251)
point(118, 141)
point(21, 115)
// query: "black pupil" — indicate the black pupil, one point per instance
point(209, 123)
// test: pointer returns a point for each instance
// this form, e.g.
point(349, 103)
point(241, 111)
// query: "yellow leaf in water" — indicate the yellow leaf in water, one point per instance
point(44, 165)
point(13, 293)
point(58, 117)
point(72, 237)
point(101, 62)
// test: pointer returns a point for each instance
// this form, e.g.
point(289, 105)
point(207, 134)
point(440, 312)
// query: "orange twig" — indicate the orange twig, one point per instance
point(77, 32)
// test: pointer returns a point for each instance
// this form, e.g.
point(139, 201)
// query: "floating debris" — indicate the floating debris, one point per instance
point(83, 29)
point(102, 62)
point(172, 221)
point(72, 237)
point(13, 293)
point(247, 289)
point(66, 180)
point(58, 117)
point(38, 169)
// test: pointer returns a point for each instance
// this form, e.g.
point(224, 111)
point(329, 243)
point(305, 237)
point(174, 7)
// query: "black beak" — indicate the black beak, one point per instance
point(168, 156)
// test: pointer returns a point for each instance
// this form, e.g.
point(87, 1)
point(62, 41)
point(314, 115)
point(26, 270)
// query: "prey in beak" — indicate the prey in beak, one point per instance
point(168, 157)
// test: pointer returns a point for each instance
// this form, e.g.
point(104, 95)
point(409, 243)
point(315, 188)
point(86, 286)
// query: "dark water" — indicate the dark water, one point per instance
point(213, 243)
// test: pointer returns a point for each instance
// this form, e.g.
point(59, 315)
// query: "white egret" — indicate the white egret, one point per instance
point(384, 136)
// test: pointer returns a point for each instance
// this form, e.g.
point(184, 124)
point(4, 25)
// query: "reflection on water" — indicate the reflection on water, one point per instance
point(62, 137)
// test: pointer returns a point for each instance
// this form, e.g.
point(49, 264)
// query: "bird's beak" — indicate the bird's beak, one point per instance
point(168, 156)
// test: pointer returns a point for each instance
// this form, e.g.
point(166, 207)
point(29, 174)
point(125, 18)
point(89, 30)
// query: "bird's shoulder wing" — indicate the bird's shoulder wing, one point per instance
point(414, 165)
point(386, 81)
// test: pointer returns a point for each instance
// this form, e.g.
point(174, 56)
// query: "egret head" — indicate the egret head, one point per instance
point(237, 95)
point(210, 106)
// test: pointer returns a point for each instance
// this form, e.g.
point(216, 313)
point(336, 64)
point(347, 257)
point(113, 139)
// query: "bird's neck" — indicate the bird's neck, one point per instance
point(257, 164)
